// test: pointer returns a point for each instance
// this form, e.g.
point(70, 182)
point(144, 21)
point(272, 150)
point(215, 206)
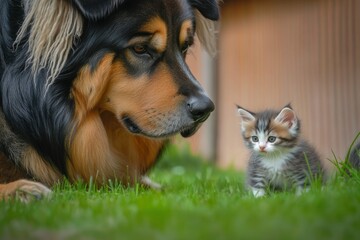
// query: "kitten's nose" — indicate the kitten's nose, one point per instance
point(262, 148)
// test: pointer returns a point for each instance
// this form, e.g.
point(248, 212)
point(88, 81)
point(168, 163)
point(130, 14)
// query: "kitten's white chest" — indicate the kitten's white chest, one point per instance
point(274, 168)
point(274, 163)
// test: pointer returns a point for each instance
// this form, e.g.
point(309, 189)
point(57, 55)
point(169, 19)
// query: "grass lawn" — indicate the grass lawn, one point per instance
point(198, 202)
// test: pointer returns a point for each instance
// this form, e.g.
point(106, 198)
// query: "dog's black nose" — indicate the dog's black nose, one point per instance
point(200, 107)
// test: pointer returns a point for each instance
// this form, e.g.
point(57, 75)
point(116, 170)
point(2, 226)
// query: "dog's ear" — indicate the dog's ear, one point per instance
point(96, 9)
point(206, 15)
point(208, 8)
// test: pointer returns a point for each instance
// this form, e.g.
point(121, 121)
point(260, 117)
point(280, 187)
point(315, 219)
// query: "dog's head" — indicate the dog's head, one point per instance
point(137, 69)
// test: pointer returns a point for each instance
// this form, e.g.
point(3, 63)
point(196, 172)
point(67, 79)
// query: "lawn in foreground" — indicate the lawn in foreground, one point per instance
point(198, 202)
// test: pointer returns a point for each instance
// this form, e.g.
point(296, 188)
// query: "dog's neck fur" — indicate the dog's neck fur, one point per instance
point(115, 153)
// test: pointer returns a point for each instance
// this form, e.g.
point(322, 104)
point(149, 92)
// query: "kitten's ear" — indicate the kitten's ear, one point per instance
point(287, 116)
point(245, 115)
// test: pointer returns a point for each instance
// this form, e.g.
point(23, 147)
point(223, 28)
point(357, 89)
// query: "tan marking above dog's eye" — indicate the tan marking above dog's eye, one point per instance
point(186, 37)
point(157, 30)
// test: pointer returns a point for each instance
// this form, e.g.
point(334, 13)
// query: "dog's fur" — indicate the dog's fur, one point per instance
point(92, 89)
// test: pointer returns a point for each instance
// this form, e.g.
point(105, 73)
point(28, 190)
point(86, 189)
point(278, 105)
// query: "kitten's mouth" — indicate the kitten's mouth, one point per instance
point(262, 149)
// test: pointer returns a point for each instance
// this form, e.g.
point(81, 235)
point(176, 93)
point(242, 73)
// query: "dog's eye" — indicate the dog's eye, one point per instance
point(140, 49)
point(187, 43)
point(185, 47)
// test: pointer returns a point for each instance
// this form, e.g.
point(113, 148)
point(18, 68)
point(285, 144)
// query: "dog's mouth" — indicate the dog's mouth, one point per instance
point(185, 131)
point(131, 125)
point(188, 132)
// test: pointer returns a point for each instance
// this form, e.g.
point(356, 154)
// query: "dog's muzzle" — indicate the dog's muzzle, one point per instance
point(186, 120)
point(199, 109)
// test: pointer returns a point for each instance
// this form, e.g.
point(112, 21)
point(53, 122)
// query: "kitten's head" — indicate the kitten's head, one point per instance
point(269, 131)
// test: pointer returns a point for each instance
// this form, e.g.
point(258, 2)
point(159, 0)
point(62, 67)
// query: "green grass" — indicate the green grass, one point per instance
point(199, 201)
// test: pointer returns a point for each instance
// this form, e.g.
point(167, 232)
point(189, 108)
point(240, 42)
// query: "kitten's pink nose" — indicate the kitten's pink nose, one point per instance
point(262, 148)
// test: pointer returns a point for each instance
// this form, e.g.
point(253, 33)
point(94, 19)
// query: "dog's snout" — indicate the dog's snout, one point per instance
point(200, 107)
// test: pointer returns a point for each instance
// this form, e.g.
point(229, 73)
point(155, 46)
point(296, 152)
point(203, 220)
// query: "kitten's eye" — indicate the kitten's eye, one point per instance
point(271, 139)
point(254, 138)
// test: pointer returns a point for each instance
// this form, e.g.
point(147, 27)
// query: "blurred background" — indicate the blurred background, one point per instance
point(275, 52)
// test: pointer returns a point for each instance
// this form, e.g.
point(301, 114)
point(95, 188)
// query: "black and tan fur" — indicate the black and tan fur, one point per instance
point(94, 89)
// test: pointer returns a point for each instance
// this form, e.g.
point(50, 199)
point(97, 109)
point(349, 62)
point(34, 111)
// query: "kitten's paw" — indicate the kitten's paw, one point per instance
point(24, 190)
point(258, 192)
point(301, 190)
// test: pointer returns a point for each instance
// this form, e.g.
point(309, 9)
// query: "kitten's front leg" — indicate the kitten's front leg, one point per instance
point(300, 182)
point(258, 192)
point(301, 189)
point(257, 181)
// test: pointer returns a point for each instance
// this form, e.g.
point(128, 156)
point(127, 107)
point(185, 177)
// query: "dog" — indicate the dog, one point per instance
point(92, 90)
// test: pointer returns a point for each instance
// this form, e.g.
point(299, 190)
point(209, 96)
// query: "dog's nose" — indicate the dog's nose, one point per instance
point(200, 107)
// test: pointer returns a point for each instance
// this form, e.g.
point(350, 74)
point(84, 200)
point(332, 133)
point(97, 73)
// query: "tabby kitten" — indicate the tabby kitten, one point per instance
point(279, 159)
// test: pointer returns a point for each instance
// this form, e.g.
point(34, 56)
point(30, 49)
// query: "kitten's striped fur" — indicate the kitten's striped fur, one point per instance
point(280, 159)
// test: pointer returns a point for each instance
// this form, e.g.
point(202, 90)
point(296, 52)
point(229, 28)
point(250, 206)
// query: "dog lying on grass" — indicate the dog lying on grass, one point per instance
point(94, 89)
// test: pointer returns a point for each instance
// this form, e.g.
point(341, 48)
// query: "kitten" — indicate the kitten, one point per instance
point(279, 159)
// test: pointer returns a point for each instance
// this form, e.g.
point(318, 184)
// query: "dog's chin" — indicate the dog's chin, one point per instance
point(185, 131)
point(190, 131)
